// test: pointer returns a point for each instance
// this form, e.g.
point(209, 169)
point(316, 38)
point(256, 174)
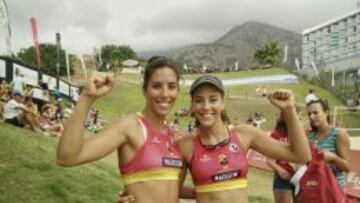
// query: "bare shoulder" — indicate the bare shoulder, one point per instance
point(185, 146)
point(125, 124)
point(242, 128)
point(124, 120)
point(342, 132)
point(343, 136)
point(248, 133)
point(247, 130)
point(185, 141)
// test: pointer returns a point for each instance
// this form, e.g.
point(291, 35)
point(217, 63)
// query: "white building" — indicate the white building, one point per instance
point(332, 44)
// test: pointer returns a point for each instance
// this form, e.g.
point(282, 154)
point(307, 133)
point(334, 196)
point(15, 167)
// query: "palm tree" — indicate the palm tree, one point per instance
point(269, 54)
point(259, 55)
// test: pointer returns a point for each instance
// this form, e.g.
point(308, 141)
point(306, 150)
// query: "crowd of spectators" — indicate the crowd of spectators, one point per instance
point(256, 119)
point(29, 107)
point(38, 108)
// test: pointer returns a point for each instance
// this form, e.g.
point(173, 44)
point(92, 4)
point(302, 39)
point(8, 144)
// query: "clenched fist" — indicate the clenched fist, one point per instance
point(282, 99)
point(99, 84)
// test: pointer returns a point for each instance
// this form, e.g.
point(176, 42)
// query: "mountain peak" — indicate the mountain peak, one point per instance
point(254, 31)
point(239, 45)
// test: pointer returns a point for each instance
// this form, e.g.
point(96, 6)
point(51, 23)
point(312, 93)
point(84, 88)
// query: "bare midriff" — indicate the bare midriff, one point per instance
point(155, 191)
point(229, 196)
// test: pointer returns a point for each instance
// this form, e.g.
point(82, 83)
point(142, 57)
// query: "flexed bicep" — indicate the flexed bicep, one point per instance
point(95, 147)
point(261, 142)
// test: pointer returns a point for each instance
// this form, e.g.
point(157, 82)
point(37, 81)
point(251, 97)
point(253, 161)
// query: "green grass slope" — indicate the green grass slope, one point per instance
point(28, 172)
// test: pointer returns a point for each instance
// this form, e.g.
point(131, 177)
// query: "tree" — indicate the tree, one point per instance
point(115, 55)
point(48, 54)
point(268, 54)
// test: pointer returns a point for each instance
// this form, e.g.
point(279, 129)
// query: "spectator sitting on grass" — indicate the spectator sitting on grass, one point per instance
point(2, 103)
point(259, 118)
point(49, 126)
point(28, 102)
point(18, 114)
point(93, 122)
point(59, 114)
point(28, 91)
point(250, 119)
point(4, 91)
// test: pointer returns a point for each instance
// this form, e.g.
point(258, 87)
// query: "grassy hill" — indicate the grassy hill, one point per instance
point(28, 171)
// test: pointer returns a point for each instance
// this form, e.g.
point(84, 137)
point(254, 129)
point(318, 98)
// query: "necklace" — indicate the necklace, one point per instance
point(223, 142)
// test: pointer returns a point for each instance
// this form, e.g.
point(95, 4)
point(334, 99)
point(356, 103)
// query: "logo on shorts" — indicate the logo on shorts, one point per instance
point(234, 148)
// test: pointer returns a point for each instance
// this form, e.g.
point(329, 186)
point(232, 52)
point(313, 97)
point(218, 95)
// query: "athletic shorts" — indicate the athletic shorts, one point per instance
point(282, 185)
point(14, 121)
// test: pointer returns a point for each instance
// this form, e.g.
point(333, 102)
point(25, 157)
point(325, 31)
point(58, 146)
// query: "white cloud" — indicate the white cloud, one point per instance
point(158, 24)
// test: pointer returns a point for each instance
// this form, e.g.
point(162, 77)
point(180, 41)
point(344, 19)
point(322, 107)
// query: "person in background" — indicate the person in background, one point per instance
point(16, 113)
point(310, 96)
point(3, 100)
point(264, 91)
point(41, 95)
point(28, 91)
point(57, 93)
point(49, 126)
point(2, 89)
point(18, 82)
point(59, 114)
point(75, 98)
point(332, 142)
point(283, 170)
